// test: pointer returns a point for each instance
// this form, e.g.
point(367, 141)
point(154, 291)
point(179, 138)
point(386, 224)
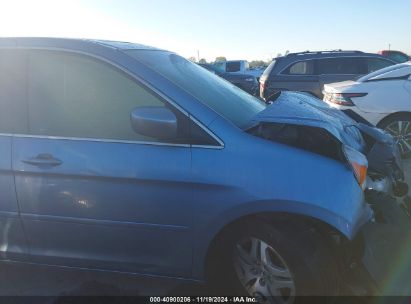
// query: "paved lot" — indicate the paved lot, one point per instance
point(407, 169)
point(43, 281)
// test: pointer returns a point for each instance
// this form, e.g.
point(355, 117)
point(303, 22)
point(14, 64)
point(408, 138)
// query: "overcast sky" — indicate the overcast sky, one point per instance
point(238, 29)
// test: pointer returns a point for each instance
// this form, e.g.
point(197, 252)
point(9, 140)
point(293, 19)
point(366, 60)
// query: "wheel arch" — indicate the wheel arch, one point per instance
point(322, 219)
point(391, 116)
point(315, 231)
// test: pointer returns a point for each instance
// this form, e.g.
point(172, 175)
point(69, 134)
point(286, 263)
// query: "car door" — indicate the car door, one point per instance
point(92, 192)
point(407, 84)
point(13, 244)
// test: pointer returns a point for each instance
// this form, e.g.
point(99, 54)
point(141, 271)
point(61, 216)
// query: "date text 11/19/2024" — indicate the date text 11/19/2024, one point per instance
point(203, 300)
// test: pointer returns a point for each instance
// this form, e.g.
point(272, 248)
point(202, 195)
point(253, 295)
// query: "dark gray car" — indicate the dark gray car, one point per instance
point(309, 71)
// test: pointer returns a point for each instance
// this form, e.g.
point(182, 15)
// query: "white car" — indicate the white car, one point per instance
point(383, 98)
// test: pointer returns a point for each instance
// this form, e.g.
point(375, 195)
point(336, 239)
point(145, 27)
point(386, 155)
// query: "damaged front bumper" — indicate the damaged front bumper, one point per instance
point(385, 173)
point(387, 238)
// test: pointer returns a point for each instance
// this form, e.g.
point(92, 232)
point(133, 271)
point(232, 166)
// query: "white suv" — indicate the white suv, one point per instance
point(383, 98)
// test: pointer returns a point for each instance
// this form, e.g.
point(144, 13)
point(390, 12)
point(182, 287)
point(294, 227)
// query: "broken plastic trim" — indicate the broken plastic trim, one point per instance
point(384, 158)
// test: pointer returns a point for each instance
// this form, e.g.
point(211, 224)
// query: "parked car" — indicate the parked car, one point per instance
point(310, 71)
point(237, 67)
point(397, 56)
point(121, 157)
point(245, 82)
point(382, 98)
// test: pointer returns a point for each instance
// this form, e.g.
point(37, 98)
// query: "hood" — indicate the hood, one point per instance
point(303, 109)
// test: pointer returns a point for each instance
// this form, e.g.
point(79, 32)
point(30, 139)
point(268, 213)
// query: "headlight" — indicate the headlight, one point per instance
point(359, 164)
point(250, 79)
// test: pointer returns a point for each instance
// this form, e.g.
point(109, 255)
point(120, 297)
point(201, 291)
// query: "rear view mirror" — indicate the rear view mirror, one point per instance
point(156, 122)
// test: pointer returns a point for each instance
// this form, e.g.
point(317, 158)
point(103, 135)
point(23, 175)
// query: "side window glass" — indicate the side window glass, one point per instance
point(77, 96)
point(301, 68)
point(13, 107)
point(375, 64)
point(339, 66)
point(327, 66)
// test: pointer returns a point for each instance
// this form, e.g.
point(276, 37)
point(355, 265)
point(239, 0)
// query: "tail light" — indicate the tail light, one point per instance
point(262, 86)
point(343, 99)
point(358, 163)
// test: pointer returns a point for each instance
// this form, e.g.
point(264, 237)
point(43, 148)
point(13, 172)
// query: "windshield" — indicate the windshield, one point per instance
point(223, 97)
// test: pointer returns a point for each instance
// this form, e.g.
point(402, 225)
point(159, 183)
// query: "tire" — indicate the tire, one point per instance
point(399, 126)
point(300, 263)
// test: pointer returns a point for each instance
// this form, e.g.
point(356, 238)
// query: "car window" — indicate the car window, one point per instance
point(221, 96)
point(13, 114)
point(301, 68)
point(76, 96)
point(233, 66)
point(345, 65)
point(374, 64)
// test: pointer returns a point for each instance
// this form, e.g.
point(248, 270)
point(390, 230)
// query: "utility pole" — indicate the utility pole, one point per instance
point(389, 46)
point(198, 55)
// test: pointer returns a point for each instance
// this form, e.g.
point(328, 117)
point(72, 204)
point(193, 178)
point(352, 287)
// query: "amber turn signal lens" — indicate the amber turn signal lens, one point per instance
point(360, 172)
point(359, 164)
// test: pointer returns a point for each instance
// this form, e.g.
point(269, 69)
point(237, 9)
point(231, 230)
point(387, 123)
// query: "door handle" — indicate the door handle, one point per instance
point(43, 160)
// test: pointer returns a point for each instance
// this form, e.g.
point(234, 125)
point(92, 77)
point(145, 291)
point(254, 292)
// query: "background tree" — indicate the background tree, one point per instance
point(192, 59)
point(220, 58)
point(258, 63)
point(202, 60)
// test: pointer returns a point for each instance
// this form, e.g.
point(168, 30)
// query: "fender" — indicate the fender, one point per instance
point(215, 225)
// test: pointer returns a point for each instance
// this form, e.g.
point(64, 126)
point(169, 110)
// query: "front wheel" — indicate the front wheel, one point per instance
point(399, 126)
point(275, 263)
point(262, 271)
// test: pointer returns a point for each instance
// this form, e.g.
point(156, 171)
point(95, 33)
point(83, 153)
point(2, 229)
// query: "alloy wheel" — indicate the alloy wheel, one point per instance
point(401, 130)
point(263, 272)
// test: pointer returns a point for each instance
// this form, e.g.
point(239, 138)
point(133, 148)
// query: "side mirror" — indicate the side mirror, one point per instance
point(156, 122)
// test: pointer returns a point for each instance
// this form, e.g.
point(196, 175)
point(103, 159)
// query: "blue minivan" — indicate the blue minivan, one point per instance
point(122, 157)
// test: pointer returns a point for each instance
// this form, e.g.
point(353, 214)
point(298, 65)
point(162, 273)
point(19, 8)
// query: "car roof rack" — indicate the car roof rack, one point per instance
point(323, 52)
